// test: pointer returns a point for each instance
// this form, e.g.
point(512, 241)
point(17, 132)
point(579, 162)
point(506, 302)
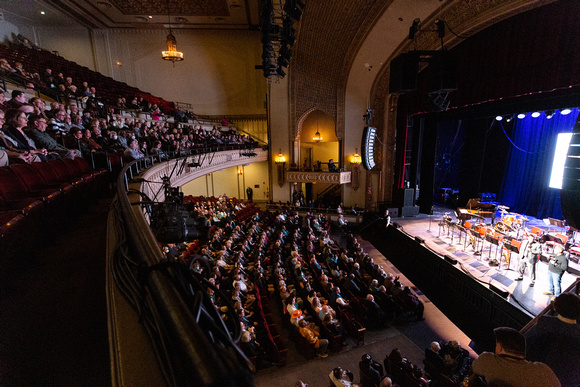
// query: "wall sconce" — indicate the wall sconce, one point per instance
point(280, 161)
point(240, 171)
point(355, 161)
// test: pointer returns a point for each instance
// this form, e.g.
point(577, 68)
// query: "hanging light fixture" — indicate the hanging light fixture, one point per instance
point(317, 137)
point(171, 54)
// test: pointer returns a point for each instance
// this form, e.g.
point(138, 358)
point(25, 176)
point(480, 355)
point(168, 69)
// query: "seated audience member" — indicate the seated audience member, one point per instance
point(454, 357)
point(371, 372)
point(74, 140)
point(556, 340)
point(331, 166)
point(341, 378)
point(18, 99)
point(88, 140)
point(13, 130)
point(133, 152)
point(375, 317)
point(311, 335)
point(5, 67)
point(57, 124)
point(411, 302)
point(37, 132)
point(434, 363)
point(10, 154)
point(507, 366)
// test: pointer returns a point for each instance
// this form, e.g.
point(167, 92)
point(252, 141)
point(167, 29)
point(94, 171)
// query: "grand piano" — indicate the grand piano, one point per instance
point(476, 209)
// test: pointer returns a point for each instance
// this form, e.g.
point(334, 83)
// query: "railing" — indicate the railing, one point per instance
point(549, 310)
point(176, 322)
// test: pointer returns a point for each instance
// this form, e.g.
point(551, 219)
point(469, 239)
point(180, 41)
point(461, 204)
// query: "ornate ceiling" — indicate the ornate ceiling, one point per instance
point(138, 14)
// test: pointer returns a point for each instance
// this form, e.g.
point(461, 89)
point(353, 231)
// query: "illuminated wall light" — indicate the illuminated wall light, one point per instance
point(521, 116)
point(535, 114)
point(565, 112)
point(498, 118)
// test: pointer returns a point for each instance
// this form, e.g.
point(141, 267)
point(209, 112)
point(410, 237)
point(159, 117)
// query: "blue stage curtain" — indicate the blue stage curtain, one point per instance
point(527, 174)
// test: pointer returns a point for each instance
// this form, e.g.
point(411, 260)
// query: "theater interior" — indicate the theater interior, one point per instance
point(427, 139)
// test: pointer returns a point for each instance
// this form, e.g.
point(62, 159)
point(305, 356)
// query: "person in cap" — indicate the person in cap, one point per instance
point(555, 340)
point(508, 367)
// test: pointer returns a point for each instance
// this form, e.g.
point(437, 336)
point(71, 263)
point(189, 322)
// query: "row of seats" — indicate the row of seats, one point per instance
point(38, 198)
point(107, 88)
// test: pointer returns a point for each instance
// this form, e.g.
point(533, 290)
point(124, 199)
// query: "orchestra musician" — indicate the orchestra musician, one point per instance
point(557, 265)
point(529, 258)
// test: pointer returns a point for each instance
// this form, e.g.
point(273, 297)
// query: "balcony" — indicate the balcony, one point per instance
point(318, 177)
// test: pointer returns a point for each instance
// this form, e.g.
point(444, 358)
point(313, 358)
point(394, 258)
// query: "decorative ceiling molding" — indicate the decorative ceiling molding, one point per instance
point(176, 7)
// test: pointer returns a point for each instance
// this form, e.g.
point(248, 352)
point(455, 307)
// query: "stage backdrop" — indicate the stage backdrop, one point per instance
point(525, 183)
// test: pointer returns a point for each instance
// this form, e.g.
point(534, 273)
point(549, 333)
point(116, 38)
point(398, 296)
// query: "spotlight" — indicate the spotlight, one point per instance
point(549, 114)
point(440, 28)
point(509, 118)
point(521, 116)
point(535, 114)
point(565, 112)
point(293, 8)
point(498, 118)
point(414, 28)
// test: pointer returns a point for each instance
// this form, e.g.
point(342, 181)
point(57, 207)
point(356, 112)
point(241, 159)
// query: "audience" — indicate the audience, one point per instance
point(556, 340)
point(507, 366)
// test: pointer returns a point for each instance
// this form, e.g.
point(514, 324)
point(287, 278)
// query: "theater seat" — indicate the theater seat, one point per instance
point(16, 196)
point(35, 184)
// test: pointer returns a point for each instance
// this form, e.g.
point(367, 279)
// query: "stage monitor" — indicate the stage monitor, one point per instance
point(368, 147)
point(562, 144)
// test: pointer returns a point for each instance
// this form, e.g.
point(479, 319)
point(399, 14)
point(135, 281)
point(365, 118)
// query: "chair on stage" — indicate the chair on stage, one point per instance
point(537, 231)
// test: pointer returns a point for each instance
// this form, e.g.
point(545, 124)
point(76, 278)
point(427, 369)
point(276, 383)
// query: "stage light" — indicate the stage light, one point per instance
point(509, 118)
point(549, 114)
point(521, 116)
point(565, 111)
point(535, 114)
point(414, 28)
point(498, 118)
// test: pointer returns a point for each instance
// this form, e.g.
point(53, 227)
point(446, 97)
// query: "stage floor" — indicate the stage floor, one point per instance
point(530, 299)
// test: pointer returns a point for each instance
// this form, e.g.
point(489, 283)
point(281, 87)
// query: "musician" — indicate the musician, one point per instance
point(530, 254)
point(557, 265)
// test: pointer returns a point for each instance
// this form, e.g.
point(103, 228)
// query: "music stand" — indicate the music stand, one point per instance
point(477, 237)
point(492, 241)
point(512, 249)
point(461, 231)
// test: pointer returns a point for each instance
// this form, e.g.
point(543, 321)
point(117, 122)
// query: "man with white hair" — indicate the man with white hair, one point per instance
point(557, 265)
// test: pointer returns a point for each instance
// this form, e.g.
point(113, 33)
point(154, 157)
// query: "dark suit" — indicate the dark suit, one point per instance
point(557, 344)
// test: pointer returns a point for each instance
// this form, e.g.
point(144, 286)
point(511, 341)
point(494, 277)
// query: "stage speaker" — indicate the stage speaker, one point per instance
point(420, 240)
point(410, 211)
point(404, 73)
point(502, 292)
point(570, 193)
point(443, 73)
point(451, 260)
point(408, 199)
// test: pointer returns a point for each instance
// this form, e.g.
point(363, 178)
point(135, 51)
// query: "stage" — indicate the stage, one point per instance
point(444, 241)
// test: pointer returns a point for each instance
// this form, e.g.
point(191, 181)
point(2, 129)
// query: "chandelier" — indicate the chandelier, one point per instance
point(171, 54)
